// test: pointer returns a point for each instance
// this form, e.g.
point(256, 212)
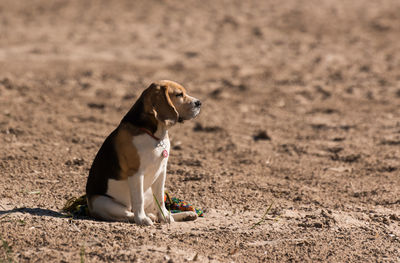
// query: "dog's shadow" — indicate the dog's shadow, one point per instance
point(33, 211)
point(40, 212)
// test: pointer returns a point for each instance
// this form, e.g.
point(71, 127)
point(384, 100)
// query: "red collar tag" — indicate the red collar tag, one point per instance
point(165, 153)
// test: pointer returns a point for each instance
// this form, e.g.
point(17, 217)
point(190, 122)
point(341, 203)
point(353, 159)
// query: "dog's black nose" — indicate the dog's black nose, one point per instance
point(197, 103)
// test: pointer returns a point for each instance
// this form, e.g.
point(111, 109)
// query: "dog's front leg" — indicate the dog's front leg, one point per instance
point(137, 199)
point(158, 191)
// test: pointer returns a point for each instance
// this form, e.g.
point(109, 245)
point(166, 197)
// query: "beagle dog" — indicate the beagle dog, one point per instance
point(127, 177)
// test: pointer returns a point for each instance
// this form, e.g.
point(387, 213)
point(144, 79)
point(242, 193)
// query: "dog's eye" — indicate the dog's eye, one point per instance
point(179, 95)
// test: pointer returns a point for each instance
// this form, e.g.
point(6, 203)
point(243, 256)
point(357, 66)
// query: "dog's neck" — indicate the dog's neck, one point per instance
point(161, 132)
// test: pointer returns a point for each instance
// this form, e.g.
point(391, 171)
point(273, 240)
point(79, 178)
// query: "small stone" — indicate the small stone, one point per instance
point(262, 135)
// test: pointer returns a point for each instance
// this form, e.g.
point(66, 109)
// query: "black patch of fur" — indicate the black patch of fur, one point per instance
point(105, 165)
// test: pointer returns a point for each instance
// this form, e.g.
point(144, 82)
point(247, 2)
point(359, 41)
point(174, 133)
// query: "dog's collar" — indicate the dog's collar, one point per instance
point(160, 143)
point(150, 134)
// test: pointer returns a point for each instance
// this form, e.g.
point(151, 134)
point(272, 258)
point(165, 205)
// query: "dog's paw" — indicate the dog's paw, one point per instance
point(190, 216)
point(166, 218)
point(143, 220)
point(152, 217)
point(185, 216)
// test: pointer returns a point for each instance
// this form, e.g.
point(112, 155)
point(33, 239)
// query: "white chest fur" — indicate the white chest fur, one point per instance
point(151, 155)
point(152, 164)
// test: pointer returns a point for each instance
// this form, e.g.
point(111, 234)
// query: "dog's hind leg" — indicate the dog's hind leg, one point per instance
point(184, 216)
point(105, 208)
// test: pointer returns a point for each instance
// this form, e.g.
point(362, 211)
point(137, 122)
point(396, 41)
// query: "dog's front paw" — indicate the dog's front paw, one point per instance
point(143, 220)
point(152, 217)
point(166, 217)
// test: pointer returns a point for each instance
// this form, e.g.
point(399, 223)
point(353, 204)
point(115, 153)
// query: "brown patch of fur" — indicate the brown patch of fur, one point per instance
point(163, 107)
point(128, 157)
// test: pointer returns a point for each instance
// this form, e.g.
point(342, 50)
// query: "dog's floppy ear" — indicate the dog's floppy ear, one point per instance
point(163, 108)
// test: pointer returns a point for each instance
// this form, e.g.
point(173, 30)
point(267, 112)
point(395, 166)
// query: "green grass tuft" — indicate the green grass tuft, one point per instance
point(159, 207)
point(82, 253)
point(263, 218)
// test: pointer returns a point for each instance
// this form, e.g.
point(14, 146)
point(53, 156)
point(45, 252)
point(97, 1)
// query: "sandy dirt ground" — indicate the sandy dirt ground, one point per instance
point(300, 114)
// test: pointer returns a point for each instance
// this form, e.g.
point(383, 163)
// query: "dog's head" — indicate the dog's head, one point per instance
point(170, 103)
